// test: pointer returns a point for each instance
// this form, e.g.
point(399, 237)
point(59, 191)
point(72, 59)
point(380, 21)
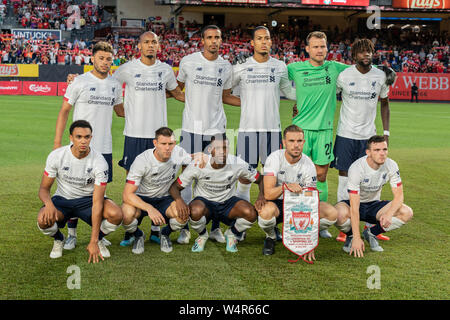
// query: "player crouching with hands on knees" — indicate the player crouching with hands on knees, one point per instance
point(366, 178)
point(147, 189)
point(291, 167)
point(81, 175)
point(214, 194)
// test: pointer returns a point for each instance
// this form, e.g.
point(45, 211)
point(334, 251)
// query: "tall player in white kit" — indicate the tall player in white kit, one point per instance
point(361, 86)
point(145, 103)
point(214, 193)
point(94, 95)
point(292, 167)
point(366, 178)
point(81, 175)
point(206, 78)
point(261, 80)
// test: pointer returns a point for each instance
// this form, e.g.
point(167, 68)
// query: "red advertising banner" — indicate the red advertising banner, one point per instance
point(11, 87)
point(432, 86)
point(40, 88)
point(62, 86)
point(355, 3)
point(421, 4)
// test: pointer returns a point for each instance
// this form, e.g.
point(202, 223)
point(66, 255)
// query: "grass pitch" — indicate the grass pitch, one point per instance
point(414, 265)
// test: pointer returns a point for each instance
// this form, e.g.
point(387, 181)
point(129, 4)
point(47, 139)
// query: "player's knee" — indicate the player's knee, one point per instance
point(328, 211)
point(269, 211)
point(114, 214)
point(197, 211)
point(249, 213)
point(129, 213)
point(405, 213)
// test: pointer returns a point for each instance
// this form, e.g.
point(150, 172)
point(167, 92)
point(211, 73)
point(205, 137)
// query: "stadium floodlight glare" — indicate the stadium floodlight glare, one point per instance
point(405, 26)
point(390, 26)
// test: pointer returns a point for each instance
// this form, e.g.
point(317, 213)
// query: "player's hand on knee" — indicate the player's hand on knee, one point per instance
point(385, 221)
point(357, 248)
point(294, 111)
point(260, 203)
point(156, 217)
point(94, 252)
point(49, 215)
point(182, 208)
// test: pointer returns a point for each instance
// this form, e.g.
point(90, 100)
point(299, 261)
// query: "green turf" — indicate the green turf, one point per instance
point(414, 265)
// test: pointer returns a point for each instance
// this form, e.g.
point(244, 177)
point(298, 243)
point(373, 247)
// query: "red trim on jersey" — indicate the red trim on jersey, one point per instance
point(257, 176)
point(179, 182)
point(399, 184)
point(66, 99)
point(131, 182)
point(269, 174)
point(103, 184)
point(46, 173)
point(353, 191)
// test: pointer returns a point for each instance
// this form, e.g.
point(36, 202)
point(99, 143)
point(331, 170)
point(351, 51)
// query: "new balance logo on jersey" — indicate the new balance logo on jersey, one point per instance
point(137, 75)
point(89, 170)
point(207, 178)
point(366, 181)
point(250, 69)
point(351, 84)
point(92, 89)
point(305, 73)
point(65, 168)
point(199, 69)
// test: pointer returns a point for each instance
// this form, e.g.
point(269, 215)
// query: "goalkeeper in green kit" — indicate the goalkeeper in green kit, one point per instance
point(315, 81)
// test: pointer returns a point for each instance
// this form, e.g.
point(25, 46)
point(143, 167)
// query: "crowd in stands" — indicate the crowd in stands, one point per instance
point(404, 51)
point(53, 14)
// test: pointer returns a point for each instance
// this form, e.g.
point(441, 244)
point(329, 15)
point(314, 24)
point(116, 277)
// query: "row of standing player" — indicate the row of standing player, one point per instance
point(260, 79)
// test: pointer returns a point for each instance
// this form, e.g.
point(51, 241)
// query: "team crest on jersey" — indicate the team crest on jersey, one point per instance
point(250, 69)
point(300, 221)
point(113, 89)
point(374, 84)
point(220, 70)
point(299, 176)
point(229, 178)
point(160, 75)
point(384, 176)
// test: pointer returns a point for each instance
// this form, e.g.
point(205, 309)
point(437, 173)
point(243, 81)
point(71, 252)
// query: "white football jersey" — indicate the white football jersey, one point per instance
point(367, 182)
point(259, 86)
point(145, 96)
point(75, 178)
point(360, 94)
point(153, 177)
point(217, 185)
point(204, 84)
point(303, 172)
point(93, 100)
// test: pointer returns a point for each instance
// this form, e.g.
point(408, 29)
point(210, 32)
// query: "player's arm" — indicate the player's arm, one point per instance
point(261, 200)
point(98, 199)
point(271, 190)
point(50, 212)
point(181, 85)
point(286, 87)
point(129, 197)
point(61, 122)
point(119, 110)
point(385, 117)
point(357, 243)
point(181, 206)
point(228, 98)
point(396, 204)
point(177, 93)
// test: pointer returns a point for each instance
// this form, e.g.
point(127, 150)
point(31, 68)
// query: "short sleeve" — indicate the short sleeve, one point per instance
point(120, 74)
point(384, 92)
point(101, 171)
point(51, 166)
point(354, 180)
point(137, 171)
point(310, 178)
point(229, 77)
point(394, 175)
point(272, 165)
point(119, 95)
point(171, 81)
point(247, 171)
point(286, 85)
point(73, 92)
point(188, 175)
point(181, 71)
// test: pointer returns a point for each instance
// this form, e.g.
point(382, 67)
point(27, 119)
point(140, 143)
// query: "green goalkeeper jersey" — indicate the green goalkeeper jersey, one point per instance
point(316, 93)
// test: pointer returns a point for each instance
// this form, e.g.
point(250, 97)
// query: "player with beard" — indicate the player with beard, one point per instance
point(94, 95)
point(206, 78)
point(361, 86)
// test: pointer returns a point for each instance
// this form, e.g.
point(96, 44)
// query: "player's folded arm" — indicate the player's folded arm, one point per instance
point(271, 191)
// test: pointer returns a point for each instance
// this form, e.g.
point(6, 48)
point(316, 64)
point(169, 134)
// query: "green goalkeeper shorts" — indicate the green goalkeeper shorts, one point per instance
point(319, 146)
